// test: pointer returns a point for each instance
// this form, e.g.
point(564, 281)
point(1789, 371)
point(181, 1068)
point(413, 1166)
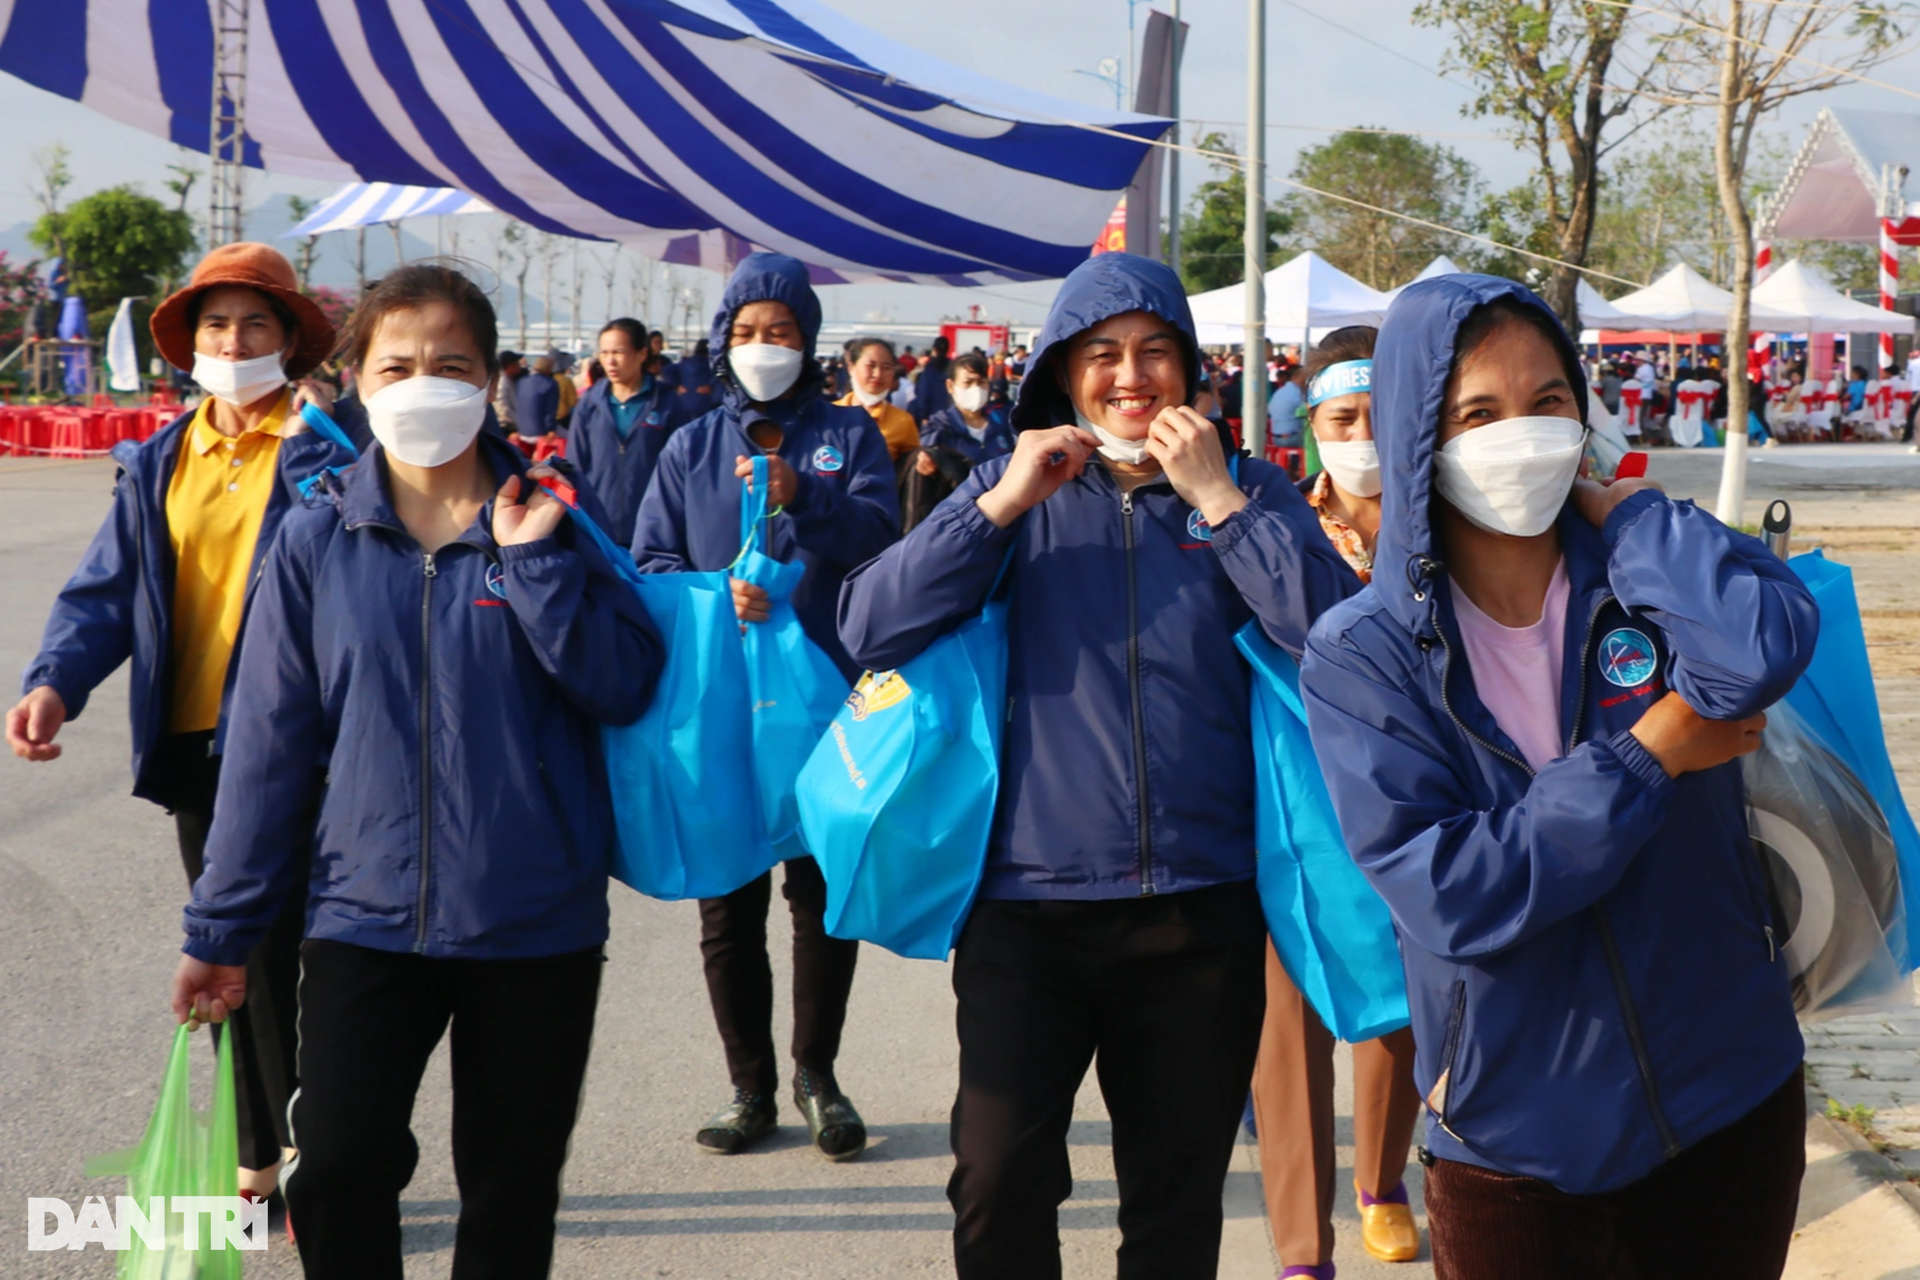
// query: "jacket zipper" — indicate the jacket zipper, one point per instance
point(426, 750)
point(1629, 1015)
point(1139, 702)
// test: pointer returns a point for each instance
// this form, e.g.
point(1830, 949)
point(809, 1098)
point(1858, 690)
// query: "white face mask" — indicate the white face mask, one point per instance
point(1511, 476)
point(970, 399)
point(1353, 464)
point(870, 398)
point(238, 382)
point(426, 422)
point(763, 370)
point(1118, 448)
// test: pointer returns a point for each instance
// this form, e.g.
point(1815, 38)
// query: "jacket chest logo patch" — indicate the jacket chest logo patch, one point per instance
point(827, 459)
point(1197, 527)
point(1628, 658)
point(496, 581)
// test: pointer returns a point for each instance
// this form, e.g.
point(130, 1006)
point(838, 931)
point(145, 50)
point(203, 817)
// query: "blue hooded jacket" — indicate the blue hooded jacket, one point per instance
point(693, 372)
point(948, 430)
point(1590, 960)
point(444, 713)
point(844, 510)
point(1127, 767)
point(119, 602)
point(618, 470)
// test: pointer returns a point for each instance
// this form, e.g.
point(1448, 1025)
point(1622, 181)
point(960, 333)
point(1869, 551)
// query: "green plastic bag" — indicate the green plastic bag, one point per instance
point(184, 1153)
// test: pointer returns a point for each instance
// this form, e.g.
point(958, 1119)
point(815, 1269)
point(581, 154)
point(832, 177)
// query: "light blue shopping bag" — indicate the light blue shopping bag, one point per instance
point(896, 801)
point(685, 804)
point(796, 688)
point(1836, 699)
point(1333, 934)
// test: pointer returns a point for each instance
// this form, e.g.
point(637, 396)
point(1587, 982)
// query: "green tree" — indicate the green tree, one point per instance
point(119, 242)
point(1571, 79)
point(1213, 227)
point(1391, 172)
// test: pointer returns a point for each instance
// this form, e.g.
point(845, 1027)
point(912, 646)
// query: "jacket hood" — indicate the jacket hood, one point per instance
point(1412, 360)
point(1100, 288)
point(767, 277)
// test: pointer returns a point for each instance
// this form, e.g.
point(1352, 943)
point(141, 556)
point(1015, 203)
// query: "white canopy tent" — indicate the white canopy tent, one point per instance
point(1595, 311)
point(1306, 297)
point(1681, 301)
point(1797, 299)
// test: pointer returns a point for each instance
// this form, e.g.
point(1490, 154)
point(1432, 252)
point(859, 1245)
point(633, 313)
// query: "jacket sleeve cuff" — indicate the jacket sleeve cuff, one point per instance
point(1228, 532)
point(1640, 763)
point(803, 486)
point(1635, 506)
point(971, 523)
point(42, 677)
point(210, 950)
point(547, 546)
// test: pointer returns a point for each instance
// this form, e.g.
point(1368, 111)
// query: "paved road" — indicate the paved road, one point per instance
point(90, 894)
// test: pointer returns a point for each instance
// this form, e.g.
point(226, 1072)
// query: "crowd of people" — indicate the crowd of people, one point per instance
point(1686, 405)
point(372, 658)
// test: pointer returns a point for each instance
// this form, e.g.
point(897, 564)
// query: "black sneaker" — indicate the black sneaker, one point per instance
point(836, 1127)
point(740, 1125)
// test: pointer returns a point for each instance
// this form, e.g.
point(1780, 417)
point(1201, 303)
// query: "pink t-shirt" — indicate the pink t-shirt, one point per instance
point(1516, 670)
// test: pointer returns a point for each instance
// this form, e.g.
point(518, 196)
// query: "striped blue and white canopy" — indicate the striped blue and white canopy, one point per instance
point(367, 204)
point(690, 130)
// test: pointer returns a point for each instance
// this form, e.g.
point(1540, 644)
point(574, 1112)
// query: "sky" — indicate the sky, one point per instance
point(1374, 68)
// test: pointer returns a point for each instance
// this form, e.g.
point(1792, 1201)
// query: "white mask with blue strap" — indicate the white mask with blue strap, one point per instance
point(1353, 464)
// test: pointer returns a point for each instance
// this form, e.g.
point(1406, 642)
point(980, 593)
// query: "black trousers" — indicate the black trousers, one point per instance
point(369, 1020)
point(1165, 997)
point(1724, 1207)
point(263, 1054)
point(733, 950)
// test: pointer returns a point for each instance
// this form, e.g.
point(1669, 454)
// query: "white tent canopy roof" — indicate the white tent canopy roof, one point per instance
point(1797, 299)
point(1595, 311)
point(1306, 293)
point(1680, 301)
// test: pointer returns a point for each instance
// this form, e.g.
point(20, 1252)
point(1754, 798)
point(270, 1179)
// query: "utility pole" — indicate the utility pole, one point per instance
point(1253, 377)
point(226, 144)
point(1173, 152)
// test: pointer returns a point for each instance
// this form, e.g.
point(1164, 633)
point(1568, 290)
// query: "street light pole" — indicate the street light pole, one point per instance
point(1173, 153)
point(1253, 377)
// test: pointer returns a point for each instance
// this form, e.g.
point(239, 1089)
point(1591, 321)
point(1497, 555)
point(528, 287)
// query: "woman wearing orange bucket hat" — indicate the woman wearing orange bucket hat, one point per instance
point(164, 583)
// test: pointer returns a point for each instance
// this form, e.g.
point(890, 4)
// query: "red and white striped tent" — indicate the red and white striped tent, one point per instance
point(1849, 182)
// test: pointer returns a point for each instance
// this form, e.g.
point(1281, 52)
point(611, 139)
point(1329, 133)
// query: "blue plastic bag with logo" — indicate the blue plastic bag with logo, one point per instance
point(896, 801)
point(685, 804)
point(1333, 934)
point(1836, 700)
point(795, 687)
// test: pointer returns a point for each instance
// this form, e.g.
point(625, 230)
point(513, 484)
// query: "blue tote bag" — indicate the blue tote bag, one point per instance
point(685, 805)
point(1333, 934)
point(795, 687)
point(896, 801)
point(1836, 699)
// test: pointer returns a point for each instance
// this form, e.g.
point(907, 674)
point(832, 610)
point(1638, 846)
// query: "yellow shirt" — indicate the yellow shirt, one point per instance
point(215, 503)
point(896, 424)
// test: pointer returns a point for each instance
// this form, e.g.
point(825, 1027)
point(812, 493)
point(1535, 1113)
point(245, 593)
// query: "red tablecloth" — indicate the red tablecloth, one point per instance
point(69, 431)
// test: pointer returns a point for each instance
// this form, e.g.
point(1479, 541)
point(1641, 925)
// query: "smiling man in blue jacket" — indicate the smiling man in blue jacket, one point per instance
point(1530, 725)
point(831, 487)
point(1117, 919)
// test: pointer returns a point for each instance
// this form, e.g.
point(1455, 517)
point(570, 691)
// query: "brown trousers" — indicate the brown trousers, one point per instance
point(1293, 1110)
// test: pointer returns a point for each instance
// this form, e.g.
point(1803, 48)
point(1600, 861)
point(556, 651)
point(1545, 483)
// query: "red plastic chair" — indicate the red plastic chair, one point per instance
point(67, 437)
point(1292, 461)
point(101, 400)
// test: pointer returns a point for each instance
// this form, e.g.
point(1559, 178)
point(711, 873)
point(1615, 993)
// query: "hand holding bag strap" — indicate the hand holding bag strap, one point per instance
point(753, 509)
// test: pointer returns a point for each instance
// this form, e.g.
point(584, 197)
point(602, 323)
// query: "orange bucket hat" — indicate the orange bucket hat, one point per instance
point(254, 266)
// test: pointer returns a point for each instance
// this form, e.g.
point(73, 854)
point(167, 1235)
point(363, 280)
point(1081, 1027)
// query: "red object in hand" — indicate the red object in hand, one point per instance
point(560, 489)
point(1632, 467)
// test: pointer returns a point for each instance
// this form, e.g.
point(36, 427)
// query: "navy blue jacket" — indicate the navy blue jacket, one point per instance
point(444, 711)
point(1590, 960)
point(119, 602)
point(1127, 766)
point(930, 388)
point(948, 430)
point(618, 470)
point(844, 510)
point(536, 399)
point(689, 376)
